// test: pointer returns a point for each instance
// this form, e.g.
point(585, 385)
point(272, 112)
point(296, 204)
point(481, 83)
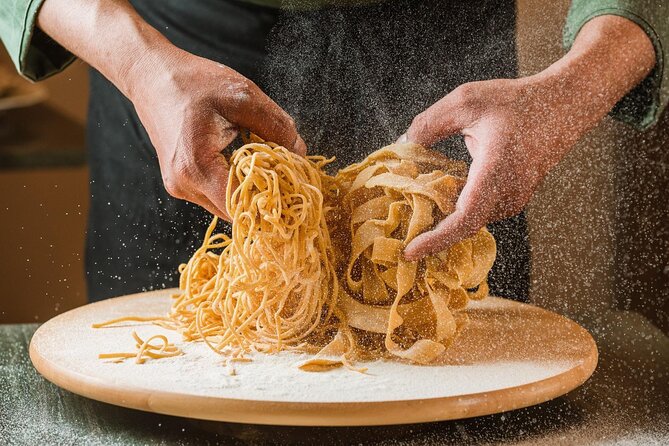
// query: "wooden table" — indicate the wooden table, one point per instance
point(626, 400)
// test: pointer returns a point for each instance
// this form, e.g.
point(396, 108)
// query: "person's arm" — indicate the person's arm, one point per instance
point(643, 105)
point(516, 130)
point(191, 107)
point(35, 55)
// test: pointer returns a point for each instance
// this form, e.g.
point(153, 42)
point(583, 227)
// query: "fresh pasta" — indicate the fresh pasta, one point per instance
point(391, 197)
point(273, 285)
point(145, 350)
point(314, 262)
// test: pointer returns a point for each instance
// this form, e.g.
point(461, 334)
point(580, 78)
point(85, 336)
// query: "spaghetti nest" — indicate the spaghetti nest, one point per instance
point(273, 284)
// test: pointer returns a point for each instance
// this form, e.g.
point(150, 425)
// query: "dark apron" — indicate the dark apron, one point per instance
point(353, 78)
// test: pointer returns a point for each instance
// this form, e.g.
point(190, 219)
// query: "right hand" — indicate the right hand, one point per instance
point(192, 108)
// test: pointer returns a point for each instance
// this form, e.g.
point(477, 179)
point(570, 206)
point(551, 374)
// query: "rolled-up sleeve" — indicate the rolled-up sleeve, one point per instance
point(642, 106)
point(35, 54)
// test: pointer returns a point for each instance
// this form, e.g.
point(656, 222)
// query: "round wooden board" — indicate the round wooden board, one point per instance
point(511, 355)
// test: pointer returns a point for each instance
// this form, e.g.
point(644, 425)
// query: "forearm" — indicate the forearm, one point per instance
point(610, 56)
point(108, 34)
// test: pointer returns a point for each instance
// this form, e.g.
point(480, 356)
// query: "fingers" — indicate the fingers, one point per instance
point(197, 171)
point(211, 208)
point(300, 146)
point(212, 189)
point(433, 125)
point(472, 212)
point(196, 194)
point(444, 118)
point(247, 106)
point(212, 180)
point(190, 194)
point(448, 232)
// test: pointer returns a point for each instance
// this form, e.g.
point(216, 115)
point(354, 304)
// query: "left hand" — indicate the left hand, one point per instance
point(515, 131)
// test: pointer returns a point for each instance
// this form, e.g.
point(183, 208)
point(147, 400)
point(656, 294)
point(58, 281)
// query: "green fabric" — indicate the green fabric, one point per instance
point(643, 106)
point(35, 54)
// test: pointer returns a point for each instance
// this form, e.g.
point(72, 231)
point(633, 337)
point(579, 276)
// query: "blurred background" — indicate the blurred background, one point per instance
point(43, 193)
point(599, 226)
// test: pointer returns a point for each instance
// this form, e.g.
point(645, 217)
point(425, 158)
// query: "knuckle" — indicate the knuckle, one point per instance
point(420, 123)
point(471, 221)
point(514, 204)
point(187, 169)
point(283, 129)
point(466, 94)
point(178, 175)
point(519, 203)
point(290, 123)
point(248, 87)
point(240, 92)
point(172, 186)
point(180, 169)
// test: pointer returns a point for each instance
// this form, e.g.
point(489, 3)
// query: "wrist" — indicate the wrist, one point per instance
point(150, 61)
point(577, 88)
point(110, 36)
point(610, 56)
point(139, 57)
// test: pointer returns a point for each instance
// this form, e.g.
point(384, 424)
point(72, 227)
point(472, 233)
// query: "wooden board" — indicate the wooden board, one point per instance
point(511, 355)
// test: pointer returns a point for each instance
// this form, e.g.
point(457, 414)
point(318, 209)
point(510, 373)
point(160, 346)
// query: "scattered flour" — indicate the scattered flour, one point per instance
point(69, 342)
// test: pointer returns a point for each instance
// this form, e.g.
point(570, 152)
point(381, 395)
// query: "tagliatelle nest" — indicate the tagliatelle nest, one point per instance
point(394, 195)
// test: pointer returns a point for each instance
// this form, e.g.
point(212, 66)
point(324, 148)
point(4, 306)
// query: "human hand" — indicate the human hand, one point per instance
point(514, 136)
point(516, 130)
point(192, 108)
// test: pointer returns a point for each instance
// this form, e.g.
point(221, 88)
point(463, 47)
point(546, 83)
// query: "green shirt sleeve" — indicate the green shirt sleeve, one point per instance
point(35, 54)
point(643, 105)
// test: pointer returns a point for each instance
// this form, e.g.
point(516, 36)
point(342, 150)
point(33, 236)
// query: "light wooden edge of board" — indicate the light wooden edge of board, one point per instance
point(281, 413)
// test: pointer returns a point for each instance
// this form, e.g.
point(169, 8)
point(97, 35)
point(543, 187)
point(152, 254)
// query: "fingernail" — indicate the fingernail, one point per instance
point(403, 139)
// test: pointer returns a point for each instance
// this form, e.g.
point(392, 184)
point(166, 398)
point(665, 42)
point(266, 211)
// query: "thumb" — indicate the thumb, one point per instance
point(471, 213)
